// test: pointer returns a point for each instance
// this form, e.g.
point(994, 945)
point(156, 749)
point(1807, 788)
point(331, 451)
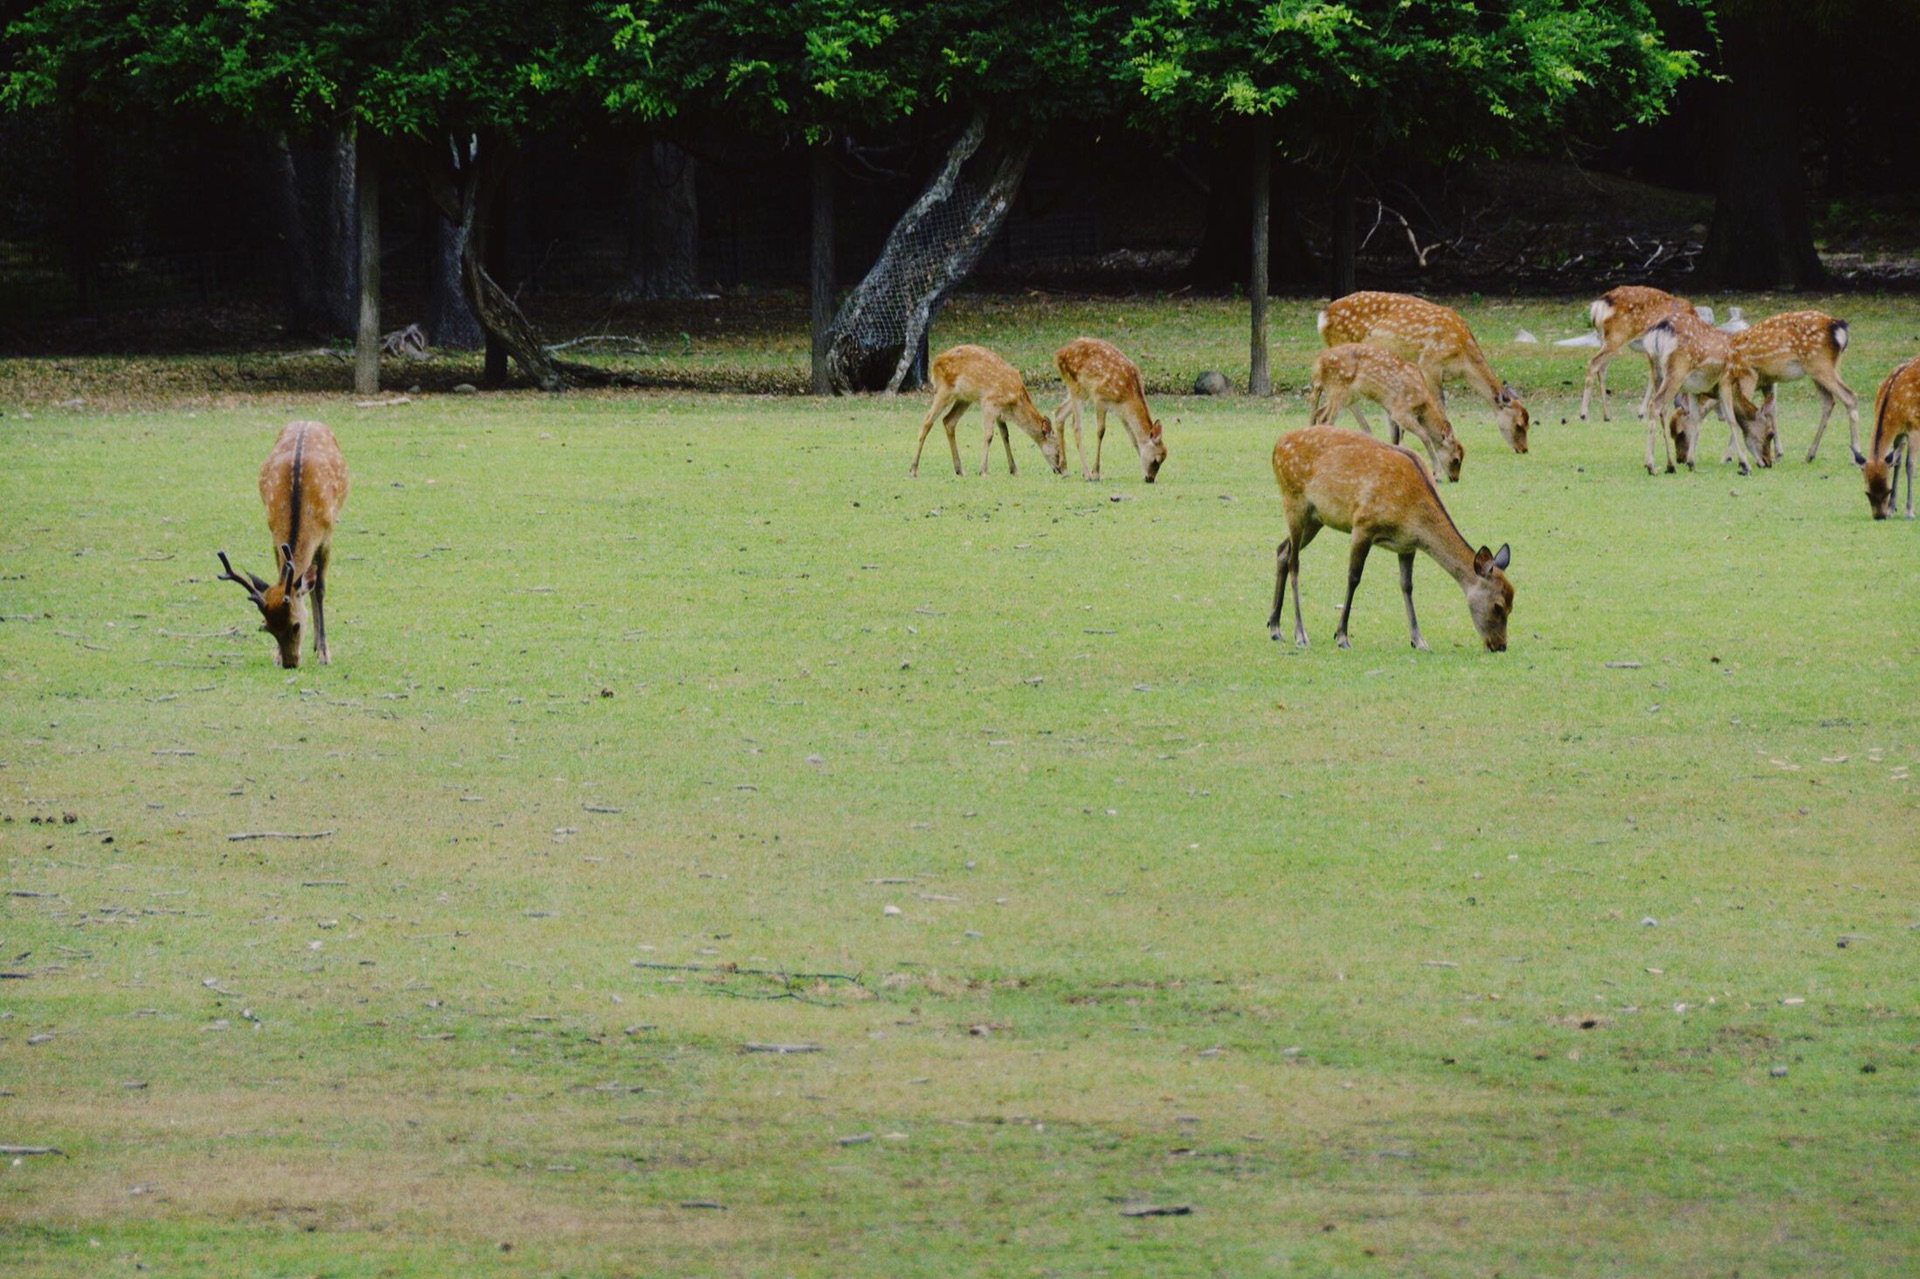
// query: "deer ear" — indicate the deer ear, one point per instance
point(1507, 394)
point(1502, 557)
point(1482, 560)
point(1890, 456)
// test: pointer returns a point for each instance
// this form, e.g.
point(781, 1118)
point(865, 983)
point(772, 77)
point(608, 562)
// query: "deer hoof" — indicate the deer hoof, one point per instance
point(1343, 641)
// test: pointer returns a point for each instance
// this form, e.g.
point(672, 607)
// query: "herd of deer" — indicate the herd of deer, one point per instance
point(1392, 348)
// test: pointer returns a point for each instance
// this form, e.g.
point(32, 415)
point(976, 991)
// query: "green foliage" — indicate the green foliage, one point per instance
point(1449, 77)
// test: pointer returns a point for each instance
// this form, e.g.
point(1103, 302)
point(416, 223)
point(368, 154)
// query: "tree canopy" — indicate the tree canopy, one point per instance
point(1448, 78)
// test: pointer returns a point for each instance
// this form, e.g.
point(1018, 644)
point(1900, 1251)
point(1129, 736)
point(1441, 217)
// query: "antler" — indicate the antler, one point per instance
point(256, 588)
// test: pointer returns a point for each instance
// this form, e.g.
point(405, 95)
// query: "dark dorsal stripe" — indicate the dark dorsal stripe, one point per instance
point(293, 502)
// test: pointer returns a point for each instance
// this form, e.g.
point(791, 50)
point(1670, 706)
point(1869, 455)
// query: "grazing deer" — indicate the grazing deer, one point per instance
point(1896, 419)
point(1096, 371)
point(1332, 477)
point(303, 485)
point(1433, 337)
point(1353, 368)
point(1793, 345)
point(1620, 316)
point(1692, 360)
point(967, 375)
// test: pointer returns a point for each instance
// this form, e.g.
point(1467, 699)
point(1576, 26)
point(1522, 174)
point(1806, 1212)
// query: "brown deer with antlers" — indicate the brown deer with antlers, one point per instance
point(963, 376)
point(303, 485)
point(1354, 368)
point(1620, 316)
point(1331, 477)
point(1097, 372)
point(1693, 361)
point(1792, 345)
point(1896, 419)
point(1433, 337)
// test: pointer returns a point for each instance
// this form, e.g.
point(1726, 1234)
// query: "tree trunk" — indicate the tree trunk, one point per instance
point(464, 183)
point(663, 225)
point(879, 336)
point(1346, 235)
point(1761, 236)
point(366, 339)
point(81, 249)
point(303, 300)
point(451, 323)
point(1259, 382)
point(820, 275)
point(1221, 262)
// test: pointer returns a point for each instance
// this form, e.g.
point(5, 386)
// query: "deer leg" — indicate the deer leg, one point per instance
point(1657, 430)
point(1289, 562)
point(1099, 432)
point(320, 604)
point(1906, 449)
point(1353, 407)
point(934, 410)
point(1282, 562)
point(1406, 589)
point(1356, 564)
point(1596, 372)
point(992, 416)
point(1006, 442)
point(1069, 411)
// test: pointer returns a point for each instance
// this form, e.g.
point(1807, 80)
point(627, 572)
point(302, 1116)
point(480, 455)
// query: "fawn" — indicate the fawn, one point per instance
point(1096, 371)
point(1353, 368)
point(963, 376)
point(1691, 361)
point(1620, 316)
point(1896, 417)
point(1793, 345)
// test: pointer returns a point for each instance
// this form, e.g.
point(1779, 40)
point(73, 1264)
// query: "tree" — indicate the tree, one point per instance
point(450, 89)
point(1766, 110)
point(1342, 83)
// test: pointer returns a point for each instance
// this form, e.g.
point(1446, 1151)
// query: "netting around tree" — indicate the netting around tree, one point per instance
point(879, 334)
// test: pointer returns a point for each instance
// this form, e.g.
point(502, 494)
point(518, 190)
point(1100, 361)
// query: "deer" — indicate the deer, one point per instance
point(966, 375)
point(1620, 316)
point(1097, 372)
point(303, 485)
point(1896, 419)
point(1793, 345)
point(1331, 477)
point(1433, 337)
point(1353, 368)
point(1691, 360)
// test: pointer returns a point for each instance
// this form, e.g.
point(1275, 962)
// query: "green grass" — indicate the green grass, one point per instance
point(1304, 940)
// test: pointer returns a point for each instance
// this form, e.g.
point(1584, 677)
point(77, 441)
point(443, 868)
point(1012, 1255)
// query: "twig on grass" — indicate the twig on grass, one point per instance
point(31, 1150)
point(278, 834)
point(727, 969)
point(752, 1047)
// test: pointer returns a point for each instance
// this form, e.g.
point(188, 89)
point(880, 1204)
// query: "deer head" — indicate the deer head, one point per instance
point(1153, 452)
point(1882, 480)
point(1512, 419)
point(281, 611)
point(1490, 596)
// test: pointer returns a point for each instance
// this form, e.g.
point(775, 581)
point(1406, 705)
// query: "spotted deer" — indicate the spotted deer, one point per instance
point(1353, 368)
point(1896, 419)
point(963, 376)
point(1331, 477)
point(1691, 362)
point(1620, 316)
point(1096, 372)
point(1433, 337)
point(303, 485)
point(1793, 345)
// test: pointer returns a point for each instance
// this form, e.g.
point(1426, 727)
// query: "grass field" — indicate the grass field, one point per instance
point(664, 724)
